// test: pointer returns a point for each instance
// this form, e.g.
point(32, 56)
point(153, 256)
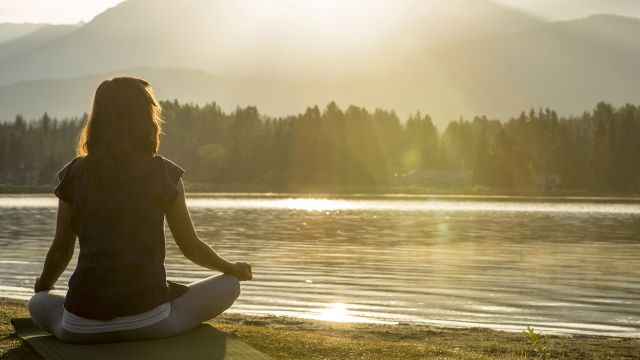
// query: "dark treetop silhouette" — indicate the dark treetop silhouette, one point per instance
point(595, 152)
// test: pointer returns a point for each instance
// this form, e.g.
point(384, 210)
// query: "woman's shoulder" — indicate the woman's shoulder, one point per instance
point(66, 175)
point(171, 169)
point(161, 158)
point(170, 175)
point(70, 167)
point(168, 164)
point(76, 160)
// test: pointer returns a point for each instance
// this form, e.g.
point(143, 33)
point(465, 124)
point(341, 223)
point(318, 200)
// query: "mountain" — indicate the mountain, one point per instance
point(40, 36)
point(72, 97)
point(460, 58)
point(10, 31)
point(568, 66)
point(273, 96)
point(254, 37)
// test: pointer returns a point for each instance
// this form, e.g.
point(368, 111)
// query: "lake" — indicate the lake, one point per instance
point(562, 266)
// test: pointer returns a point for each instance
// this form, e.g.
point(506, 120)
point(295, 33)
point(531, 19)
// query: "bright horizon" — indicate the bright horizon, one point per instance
point(52, 11)
point(77, 11)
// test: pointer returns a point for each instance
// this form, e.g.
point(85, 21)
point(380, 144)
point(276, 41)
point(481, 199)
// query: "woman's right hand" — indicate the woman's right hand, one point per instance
point(242, 271)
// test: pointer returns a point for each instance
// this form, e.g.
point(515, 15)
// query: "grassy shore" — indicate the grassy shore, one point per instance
point(290, 338)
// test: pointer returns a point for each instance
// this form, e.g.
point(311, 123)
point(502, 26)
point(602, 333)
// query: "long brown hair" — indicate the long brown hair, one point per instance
point(125, 120)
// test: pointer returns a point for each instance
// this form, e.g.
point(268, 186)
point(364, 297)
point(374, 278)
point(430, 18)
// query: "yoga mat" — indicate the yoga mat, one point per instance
point(203, 342)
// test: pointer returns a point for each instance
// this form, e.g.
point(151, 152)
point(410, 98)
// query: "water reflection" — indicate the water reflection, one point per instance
point(563, 267)
point(335, 312)
point(413, 205)
point(436, 204)
point(317, 204)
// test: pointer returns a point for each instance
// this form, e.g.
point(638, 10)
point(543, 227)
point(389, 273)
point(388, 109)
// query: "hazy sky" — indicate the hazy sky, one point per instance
point(52, 11)
point(566, 9)
point(74, 11)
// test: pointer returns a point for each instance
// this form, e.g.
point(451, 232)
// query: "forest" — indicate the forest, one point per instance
point(596, 152)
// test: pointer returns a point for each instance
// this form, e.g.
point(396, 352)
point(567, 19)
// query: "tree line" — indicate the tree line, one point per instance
point(595, 152)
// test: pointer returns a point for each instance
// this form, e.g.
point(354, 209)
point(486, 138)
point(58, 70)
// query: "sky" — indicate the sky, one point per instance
point(52, 11)
point(75, 11)
point(568, 9)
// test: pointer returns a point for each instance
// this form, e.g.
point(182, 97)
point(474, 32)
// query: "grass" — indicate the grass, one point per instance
point(294, 344)
point(289, 338)
point(11, 346)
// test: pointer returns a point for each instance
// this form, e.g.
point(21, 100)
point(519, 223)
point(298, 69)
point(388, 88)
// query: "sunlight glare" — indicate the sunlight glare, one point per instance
point(338, 312)
point(317, 204)
point(332, 21)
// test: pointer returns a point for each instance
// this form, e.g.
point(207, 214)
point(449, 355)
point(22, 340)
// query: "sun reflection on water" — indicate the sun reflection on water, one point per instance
point(340, 312)
point(335, 312)
point(317, 204)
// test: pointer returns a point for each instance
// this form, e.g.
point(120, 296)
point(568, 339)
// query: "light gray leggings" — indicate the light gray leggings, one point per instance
point(204, 300)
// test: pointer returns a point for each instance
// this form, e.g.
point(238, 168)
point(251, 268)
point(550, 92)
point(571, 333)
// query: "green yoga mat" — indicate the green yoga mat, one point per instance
point(203, 342)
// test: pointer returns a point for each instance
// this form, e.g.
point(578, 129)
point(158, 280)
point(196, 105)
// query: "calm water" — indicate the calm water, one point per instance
point(567, 267)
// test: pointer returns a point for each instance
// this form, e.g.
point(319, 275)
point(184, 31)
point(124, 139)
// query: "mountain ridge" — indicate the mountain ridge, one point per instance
point(38, 37)
point(566, 65)
point(10, 31)
point(225, 37)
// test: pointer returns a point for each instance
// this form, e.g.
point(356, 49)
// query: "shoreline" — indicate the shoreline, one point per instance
point(272, 319)
point(399, 191)
point(392, 196)
point(293, 338)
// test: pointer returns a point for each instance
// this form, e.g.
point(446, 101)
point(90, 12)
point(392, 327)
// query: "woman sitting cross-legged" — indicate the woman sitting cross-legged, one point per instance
point(114, 197)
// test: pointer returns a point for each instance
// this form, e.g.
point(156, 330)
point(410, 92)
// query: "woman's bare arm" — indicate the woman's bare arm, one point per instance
point(61, 249)
point(195, 249)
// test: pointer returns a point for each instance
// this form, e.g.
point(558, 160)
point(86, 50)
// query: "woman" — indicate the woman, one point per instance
point(114, 197)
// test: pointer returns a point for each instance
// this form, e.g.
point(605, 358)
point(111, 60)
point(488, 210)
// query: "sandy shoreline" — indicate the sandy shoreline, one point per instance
point(290, 338)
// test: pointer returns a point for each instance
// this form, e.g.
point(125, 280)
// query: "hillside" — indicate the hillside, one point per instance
point(9, 31)
point(274, 96)
point(449, 63)
point(42, 35)
point(251, 38)
point(564, 65)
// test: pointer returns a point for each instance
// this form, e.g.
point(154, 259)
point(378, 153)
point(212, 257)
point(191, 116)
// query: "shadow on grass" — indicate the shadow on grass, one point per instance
point(21, 352)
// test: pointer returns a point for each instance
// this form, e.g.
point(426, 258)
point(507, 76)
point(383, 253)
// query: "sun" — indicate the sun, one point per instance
point(344, 20)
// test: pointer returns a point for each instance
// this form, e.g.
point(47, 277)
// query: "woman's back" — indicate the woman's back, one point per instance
point(120, 268)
